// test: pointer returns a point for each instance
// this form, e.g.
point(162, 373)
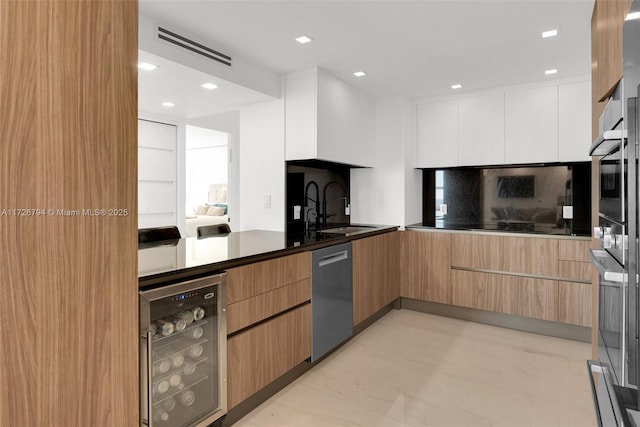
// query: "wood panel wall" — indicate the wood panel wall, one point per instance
point(68, 323)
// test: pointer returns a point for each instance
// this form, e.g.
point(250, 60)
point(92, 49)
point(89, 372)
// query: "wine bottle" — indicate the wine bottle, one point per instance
point(178, 323)
point(187, 316)
point(187, 398)
point(196, 351)
point(189, 368)
point(161, 387)
point(162, 367)
point(175, 380)
point(177, 359)
point(166, 328)
point(198, 313)
point(195, 333)
point(168, 404)
point(160, 415)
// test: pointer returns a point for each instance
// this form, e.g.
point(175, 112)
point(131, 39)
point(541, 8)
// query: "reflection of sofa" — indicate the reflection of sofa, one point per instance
point(533, 215)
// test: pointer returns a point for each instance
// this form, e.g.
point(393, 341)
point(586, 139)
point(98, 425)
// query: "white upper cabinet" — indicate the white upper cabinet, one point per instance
point(327, 119)
point(437, 134)
point(531, 125)
point(481, 130)
point(534, 124)
point(574, 132)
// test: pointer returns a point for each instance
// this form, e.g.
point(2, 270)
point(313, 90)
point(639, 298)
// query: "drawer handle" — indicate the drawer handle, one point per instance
point(332, 258)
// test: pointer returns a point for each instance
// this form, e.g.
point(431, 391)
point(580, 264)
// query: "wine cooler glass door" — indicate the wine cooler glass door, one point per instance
point(184, 354)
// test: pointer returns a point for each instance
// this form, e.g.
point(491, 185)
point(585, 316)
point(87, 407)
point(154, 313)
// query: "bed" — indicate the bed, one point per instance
point(212, 215)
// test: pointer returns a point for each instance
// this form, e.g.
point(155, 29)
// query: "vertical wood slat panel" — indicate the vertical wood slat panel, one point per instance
point(68, 87)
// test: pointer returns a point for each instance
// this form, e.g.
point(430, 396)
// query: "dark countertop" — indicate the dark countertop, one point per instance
point(190, 257)
point(506, 227)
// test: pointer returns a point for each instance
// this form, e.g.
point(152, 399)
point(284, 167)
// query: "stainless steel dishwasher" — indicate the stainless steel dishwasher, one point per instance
point(331, 298)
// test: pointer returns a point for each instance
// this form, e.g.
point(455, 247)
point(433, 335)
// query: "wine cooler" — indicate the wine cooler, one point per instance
point(183, 353)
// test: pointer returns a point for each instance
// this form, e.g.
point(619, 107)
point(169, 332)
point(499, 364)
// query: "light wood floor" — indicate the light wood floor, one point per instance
point(416, 369)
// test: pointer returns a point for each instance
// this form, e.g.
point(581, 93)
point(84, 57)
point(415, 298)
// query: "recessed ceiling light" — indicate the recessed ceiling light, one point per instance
point(147, 66)
point(303, 39)
point(458, 86)
point(359, 74)
point(209, 86)
point(632, 16)
point(168, 104)
point(551, 71)
point(550, 33)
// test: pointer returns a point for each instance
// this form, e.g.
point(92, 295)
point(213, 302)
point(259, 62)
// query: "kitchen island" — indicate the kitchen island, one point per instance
point(268, 296)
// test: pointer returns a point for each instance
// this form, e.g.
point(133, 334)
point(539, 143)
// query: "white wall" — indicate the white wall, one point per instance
point(206, 157)
point(390, 192)
point(262, 166)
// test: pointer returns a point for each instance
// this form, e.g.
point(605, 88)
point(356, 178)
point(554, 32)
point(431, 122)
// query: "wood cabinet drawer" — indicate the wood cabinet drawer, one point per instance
point(252, 310)
point(477, 251)
point(517, 295)
point(574, 250)
point(574, 303)
point(254, 279)
point(575, 270)
point(260, 355)
point(527, 255)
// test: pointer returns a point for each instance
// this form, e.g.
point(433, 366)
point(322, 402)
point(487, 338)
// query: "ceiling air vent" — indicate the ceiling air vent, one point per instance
point(186, 43)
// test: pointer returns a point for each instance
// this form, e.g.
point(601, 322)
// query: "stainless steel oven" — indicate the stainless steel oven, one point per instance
point(183, 353)
point(615, 376)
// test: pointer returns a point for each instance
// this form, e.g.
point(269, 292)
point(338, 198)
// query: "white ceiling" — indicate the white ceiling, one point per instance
point(413, 48)
point(181, 85)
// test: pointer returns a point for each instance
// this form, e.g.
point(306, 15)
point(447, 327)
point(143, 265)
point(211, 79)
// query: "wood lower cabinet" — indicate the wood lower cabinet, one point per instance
point(521, 296)
point(574, 303)
point(258, 356)
point(530, 255)
point(376, 271)
point(527, 255)
point(254, 279)
point(426, 266)
point(477, 251)
point(252, 310)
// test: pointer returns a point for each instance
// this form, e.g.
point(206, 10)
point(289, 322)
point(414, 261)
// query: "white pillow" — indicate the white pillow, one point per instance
point(202, 210)
point(215, 211)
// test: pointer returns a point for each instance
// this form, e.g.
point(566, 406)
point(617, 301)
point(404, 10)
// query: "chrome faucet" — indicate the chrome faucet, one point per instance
point(317, 202)
point(324, 200)
point(310, 212)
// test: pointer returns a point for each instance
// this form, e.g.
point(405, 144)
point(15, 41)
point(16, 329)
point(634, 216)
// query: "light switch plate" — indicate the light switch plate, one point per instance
point(267, 200)
point(567, 212)
point(296, 212)
point(443, 209)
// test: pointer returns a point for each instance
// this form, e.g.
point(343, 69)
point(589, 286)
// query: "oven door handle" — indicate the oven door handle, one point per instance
point(608, 405)
point(608, 142)
point(610, 275)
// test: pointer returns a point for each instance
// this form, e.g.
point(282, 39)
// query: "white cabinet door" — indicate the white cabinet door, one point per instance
point(531, 125)
point(574, 133)
point(300, 115)
point(437, 134)
point(157, 178)
point(481, 130)
point(327, 119)
point(346, 122)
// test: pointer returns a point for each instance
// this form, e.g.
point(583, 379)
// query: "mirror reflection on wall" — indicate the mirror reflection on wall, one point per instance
point(532, 198)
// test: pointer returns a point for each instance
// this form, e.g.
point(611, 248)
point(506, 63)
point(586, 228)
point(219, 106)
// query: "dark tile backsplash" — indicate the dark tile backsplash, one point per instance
point(520, 198)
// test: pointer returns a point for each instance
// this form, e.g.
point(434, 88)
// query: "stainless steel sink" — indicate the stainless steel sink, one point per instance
point(348, 230)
